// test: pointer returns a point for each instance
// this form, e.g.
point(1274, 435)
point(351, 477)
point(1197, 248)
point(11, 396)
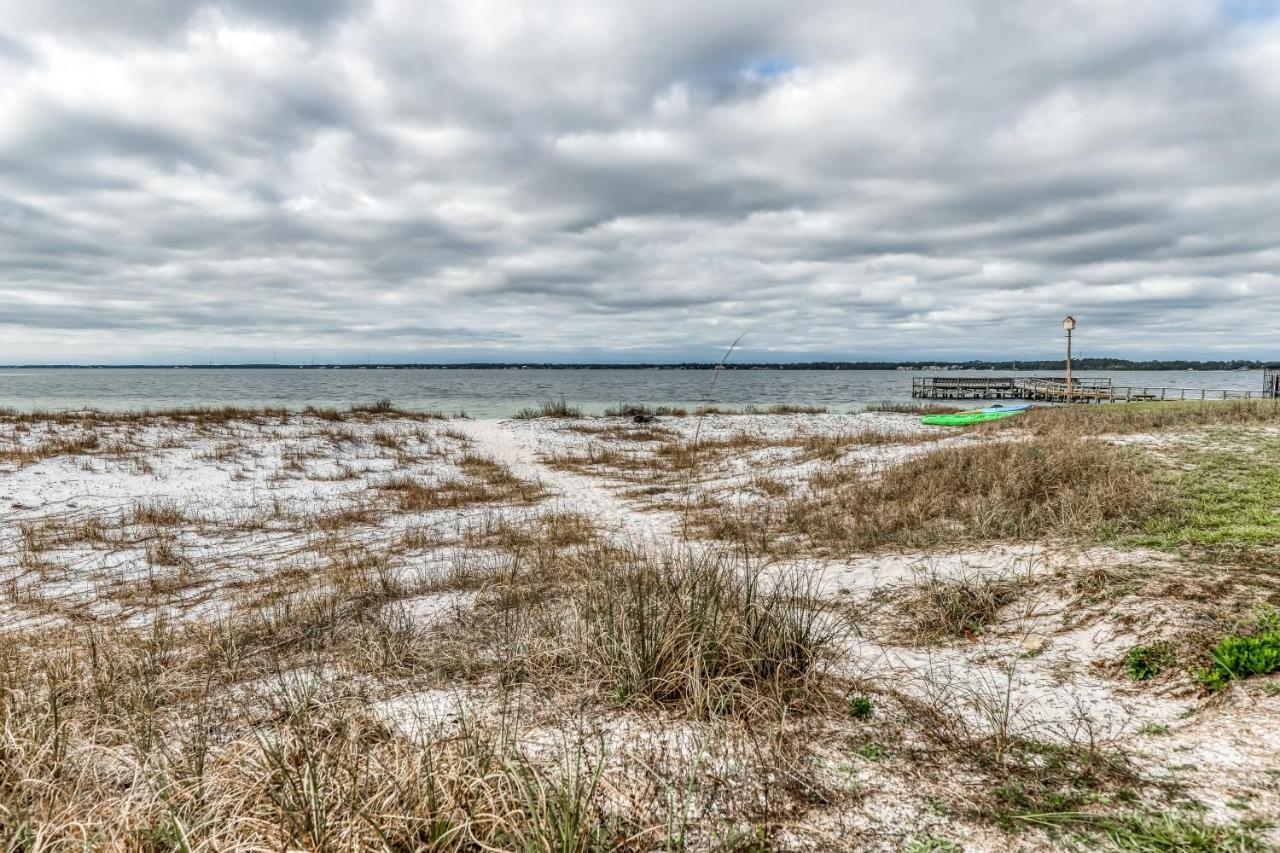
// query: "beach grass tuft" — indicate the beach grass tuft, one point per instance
point(1069, 487)
point(549, 409)
point(701, 632)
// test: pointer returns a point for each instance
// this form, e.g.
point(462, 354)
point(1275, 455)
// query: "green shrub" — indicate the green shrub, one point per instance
point(1240, 656)
point(860, 708)
point(1146, 662)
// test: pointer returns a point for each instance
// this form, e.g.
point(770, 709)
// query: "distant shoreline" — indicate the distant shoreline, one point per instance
point(1030, 364)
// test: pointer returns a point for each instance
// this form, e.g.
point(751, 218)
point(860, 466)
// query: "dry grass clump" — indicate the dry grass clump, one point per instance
point(385, 408)
point(77, 444)
point(91, 530)
point(324, 413)
point(379, 407)
point(486, 482)
point(631, 410)
point(673, 457)
point(1068, 487)
point(137, 740)
point(197, 415)
point(942, 607)
point(135, 437)
point(343, 785)
point(752, 409)
point(341, 519)
point(553, 530)
point(549, 409)
point(699, 632)
point(620, 432)
point(592, 456)
point(680, 456)
point(834, 445)
point(1008, 490)
point(913, 408)
point(369, 411)
point(785, 409)
point(157, 514)
point(656, 456)
point(258, 731)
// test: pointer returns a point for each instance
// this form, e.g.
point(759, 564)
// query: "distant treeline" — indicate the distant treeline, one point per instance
point(1092, 364)
point(1016, 364)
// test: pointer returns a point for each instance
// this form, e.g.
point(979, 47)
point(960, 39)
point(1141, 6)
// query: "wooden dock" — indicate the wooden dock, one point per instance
point(1054, 390)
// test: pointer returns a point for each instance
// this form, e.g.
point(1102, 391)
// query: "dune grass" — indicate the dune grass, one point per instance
point(135, 741)
point(603, 678)
point(703, 633)
point(631, 410)
point(1216, 463)
point(258, 731)
point(1126, 418)
point(641, 409)
point(947, 608)
point(204, 416)
point(1053, 473)
point(913, 408)
point(549, 409)
point(1067, 487)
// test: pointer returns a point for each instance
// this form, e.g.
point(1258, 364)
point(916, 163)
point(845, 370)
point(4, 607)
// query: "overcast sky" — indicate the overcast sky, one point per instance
point(186, 180)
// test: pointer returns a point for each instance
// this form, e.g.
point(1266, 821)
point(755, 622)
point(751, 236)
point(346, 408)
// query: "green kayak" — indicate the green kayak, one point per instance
point(966, 418)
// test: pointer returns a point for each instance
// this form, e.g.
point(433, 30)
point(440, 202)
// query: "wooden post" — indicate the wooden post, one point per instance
point(1068, 364)
point(1070, 325)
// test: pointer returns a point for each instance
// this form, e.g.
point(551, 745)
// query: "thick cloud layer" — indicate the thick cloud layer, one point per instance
point(184, 180)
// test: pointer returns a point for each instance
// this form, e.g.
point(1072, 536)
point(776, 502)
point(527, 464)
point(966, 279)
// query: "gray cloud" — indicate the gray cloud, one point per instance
point(860, 178)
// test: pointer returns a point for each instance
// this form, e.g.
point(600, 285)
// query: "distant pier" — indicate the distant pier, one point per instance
point(1054, 390)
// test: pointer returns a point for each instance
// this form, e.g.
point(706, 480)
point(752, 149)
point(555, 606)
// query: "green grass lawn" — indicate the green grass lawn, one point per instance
point(1226, 491)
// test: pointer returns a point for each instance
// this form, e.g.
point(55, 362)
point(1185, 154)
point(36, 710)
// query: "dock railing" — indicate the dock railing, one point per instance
point(1055, 389)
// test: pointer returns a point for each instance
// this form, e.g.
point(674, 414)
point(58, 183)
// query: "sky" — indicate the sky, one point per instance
point(250, 180)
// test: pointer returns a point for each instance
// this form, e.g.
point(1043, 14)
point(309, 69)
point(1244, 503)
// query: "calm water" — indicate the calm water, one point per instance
point(495, 393)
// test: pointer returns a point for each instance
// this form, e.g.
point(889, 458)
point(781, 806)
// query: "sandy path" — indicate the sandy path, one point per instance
point(959, 679)
point(573, 492)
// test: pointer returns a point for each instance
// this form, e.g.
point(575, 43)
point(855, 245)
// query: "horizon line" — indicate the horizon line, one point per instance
point(911, 363)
